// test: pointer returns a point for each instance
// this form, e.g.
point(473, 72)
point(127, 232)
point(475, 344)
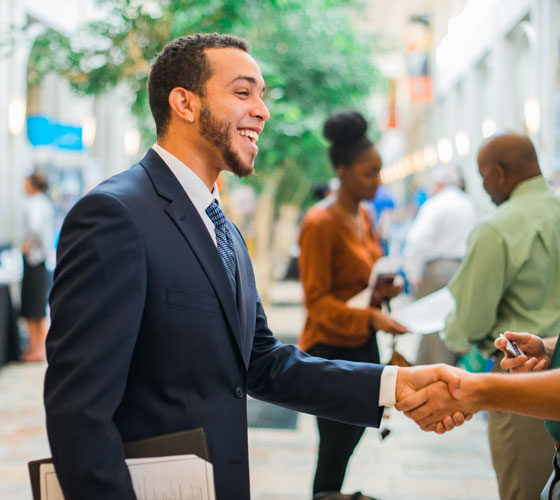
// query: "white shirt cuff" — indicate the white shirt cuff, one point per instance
point(388, 386)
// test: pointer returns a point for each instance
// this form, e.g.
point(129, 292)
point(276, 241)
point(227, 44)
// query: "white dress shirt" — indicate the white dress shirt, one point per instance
point(38, 228)
point(388, 385)
point(201, 197)
point(194, 186)
point(439, 231)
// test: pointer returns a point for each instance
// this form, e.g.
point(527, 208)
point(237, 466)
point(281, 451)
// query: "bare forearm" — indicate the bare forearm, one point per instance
point(533, 394)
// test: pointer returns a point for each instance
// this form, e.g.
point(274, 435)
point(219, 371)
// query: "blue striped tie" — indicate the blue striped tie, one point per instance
point(224, 241)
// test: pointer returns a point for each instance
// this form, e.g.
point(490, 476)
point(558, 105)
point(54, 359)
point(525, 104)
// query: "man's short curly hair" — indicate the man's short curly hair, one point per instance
point(182, 63)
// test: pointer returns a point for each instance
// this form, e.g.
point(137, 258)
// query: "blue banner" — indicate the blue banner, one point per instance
point(44, 131)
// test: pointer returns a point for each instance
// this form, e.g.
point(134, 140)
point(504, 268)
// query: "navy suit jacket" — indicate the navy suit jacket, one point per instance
point(147, 339)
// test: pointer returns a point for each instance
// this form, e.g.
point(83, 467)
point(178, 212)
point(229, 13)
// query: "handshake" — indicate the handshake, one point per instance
point(441, 397)
point(434, 396)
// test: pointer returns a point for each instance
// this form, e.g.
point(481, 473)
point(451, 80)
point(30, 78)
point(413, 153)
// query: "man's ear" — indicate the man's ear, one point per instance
point(340, 171)
point(184, 103)
point(501, 174)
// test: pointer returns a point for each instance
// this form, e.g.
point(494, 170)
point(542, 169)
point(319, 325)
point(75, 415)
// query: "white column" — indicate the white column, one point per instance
point(547, 49)
point(5, 9)
point(14, 154)
point(113, 120)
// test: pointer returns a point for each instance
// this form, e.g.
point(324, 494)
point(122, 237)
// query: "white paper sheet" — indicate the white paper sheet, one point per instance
point(50, 487)
point(426, 315)
point(179, 477)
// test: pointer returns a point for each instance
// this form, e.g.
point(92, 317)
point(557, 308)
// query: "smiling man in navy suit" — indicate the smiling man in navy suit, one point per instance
point(157, 326)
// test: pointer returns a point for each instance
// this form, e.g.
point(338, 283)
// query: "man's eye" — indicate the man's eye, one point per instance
point(243, 93)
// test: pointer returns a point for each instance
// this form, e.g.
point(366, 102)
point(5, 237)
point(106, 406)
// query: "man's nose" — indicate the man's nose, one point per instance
point(261, 111)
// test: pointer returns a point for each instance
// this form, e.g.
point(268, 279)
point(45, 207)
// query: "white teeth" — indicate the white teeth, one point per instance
point(251, 134)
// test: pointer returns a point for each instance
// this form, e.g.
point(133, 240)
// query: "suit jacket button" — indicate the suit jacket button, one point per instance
point(238, 392)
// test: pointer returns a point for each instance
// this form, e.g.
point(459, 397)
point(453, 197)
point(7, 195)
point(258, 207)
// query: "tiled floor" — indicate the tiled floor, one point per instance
point(408, 465)
point(22, 427)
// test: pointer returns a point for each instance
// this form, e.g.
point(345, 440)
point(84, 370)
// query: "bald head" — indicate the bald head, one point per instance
point(515, 152)
point(504, 161)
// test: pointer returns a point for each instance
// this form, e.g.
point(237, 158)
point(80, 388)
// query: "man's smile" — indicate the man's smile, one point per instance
point(251, 134)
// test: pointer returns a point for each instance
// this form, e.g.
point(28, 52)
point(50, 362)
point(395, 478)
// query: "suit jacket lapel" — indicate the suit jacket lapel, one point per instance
point(188, 221)
point(242, 271)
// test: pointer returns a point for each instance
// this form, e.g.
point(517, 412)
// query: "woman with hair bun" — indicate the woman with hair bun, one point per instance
point(338, 250)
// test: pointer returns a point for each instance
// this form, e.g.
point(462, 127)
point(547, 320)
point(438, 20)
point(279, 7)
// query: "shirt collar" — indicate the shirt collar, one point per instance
point(532, 185)
point(193, 185)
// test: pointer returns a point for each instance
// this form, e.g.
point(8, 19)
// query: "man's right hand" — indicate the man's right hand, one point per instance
point(536, 357)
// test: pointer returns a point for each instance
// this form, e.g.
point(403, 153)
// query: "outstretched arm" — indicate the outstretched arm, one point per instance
point(533, 394)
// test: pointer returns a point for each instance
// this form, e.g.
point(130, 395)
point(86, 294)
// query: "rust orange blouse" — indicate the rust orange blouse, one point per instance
point(334, 265)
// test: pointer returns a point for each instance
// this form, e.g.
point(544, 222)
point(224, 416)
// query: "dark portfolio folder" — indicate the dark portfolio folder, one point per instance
point(191, 442)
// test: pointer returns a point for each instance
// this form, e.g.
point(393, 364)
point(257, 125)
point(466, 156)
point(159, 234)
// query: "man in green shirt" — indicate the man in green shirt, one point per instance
point(507, 281)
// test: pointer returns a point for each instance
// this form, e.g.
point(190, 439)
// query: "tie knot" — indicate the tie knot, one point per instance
point(216, 214)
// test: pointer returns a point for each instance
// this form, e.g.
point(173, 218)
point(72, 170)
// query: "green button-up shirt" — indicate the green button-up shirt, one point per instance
point(510, 276)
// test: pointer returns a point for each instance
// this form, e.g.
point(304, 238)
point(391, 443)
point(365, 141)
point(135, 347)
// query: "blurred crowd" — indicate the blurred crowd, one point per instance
point(497, 271)
point(358, 248)
point(354, 222)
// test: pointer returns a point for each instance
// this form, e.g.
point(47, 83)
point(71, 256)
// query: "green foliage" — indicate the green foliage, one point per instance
point(311, 58)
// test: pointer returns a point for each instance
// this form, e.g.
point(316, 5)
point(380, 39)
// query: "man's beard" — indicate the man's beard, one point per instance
point(217, 133)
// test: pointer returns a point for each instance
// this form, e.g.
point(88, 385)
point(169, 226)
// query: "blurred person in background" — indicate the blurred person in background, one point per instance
point(320, 191)
point(508, 281)
point(38, 231)
point(435, 246)
point(330, 192)
point(382, 211)
point(338, 250)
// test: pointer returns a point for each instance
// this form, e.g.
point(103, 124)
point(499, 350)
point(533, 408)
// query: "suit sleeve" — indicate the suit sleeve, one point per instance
point(339, 390)
point(315, 266)
point(96, 309)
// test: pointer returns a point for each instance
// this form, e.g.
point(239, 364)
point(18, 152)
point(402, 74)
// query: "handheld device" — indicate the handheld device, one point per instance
point(381, 281)
point(511, 347)
point(384, 280)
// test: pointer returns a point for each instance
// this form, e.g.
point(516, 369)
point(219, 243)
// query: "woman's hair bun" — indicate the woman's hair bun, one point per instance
point(345, 127)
